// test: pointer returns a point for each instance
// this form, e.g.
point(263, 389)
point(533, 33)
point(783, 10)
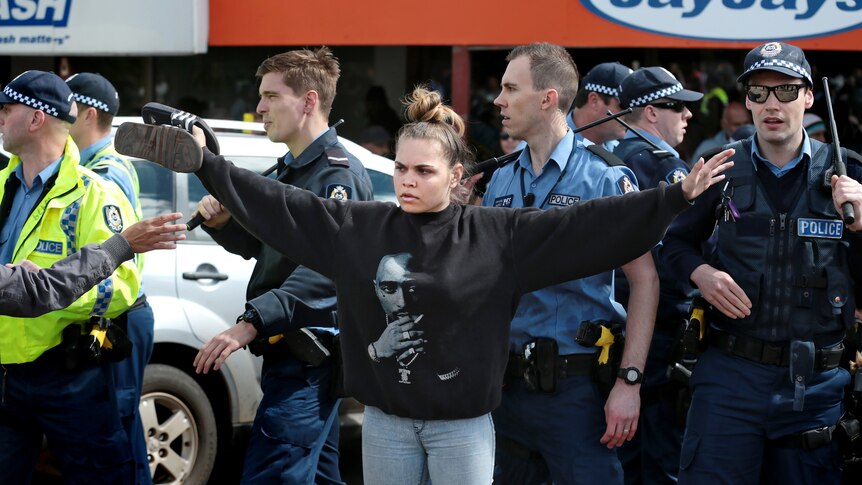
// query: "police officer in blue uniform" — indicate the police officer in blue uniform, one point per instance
point(98, 102)
point(560, 429)
point(295, 433)
point(599, 92)
point(660, 116)
point(768, 391)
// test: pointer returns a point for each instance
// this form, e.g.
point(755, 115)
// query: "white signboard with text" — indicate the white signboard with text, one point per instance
point(109, 27)
point(733, 20)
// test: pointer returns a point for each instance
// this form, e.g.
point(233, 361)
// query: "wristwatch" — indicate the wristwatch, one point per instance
point(631, 375)
point(251, 316)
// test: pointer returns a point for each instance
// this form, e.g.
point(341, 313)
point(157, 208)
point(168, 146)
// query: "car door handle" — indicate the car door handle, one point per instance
point(204, 275)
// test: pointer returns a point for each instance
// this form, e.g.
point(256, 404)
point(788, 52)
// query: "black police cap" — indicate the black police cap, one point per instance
point(649, 84)
point(96, 91)
point(44, 91)
point(605, 78)
point(779, 57)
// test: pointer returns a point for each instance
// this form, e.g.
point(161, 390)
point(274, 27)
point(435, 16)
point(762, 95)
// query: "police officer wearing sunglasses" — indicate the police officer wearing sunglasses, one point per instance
point(660, 115)
point(767, 392)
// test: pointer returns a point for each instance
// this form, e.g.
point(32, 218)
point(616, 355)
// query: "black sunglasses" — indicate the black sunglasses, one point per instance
point(676, 106)
point(784, 92)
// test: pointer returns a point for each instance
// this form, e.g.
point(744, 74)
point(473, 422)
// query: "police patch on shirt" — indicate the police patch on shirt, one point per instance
point(563, 200)
point(830, 229)
point(676, 175)
point(625, 184)
point(113, 219)
point(504, 201)
point(338, 192)
point(49, 247)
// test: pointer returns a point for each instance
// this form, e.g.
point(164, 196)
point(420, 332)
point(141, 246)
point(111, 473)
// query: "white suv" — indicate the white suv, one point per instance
point(196, 292)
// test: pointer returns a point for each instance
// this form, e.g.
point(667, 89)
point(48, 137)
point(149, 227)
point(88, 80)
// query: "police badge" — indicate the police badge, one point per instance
point(113, 218)
point(338, 192)
point(676, 175)
point(771, 49)
point(625, 184)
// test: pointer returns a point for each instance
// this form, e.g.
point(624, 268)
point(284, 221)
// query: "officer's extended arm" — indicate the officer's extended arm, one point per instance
point(26, 293)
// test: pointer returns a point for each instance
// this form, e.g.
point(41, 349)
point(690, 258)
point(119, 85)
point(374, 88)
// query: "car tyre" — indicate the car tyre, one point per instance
point(179, 426)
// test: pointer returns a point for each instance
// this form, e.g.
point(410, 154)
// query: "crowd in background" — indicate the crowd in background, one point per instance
point(717, 80)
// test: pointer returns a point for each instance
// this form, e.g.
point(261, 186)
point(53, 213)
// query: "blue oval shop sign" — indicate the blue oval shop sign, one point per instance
point(735, 20)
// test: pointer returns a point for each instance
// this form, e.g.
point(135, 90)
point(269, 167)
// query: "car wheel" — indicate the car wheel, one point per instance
point(179, 426)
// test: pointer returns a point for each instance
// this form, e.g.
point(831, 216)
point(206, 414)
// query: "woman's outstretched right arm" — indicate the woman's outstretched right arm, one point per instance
point(293, 221)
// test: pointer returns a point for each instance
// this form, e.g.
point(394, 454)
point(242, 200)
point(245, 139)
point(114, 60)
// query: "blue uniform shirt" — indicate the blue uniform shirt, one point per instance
point(114, 174)
point(570, 175)
point(778, 172)
point(22, 204)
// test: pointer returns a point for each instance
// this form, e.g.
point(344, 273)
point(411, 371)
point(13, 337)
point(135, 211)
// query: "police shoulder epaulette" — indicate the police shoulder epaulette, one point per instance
point(337, 156)
point(661, 153)
point(609, 158)
point(851, 155)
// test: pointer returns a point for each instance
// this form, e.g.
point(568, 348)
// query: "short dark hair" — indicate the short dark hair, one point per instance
point(304, 70)
point(583, 95)
point(551, 67)
point(104, 120)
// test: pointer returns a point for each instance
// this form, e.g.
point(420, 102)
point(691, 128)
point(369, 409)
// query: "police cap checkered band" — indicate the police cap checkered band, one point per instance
point(650, 97)
point(649, 84)
point(40, 90)
point(92, 102)
point(779, 57)
point(96, 91)
point(598, 88)
point(605, 78)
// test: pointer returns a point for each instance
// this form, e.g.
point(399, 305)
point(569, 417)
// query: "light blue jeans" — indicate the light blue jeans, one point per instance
point(404, 451)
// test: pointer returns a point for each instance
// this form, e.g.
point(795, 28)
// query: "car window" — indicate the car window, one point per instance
point(382, 185)
point(157, 188)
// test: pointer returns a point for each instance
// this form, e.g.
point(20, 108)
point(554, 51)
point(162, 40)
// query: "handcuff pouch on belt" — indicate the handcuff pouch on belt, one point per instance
point(540, 358)
point(848, 431)
point(690, 342)
point(104, 341)
point(608, 336)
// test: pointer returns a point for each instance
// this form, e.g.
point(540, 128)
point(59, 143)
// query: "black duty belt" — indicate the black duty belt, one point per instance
point(809, 440)
point(567, 365)
point(771, 353)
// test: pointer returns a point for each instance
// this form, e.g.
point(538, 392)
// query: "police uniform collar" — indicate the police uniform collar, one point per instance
point(43, 176)
point(313, 151)
point(570, 120)
point(88, 153)
point(560, 154)
point(805, 152)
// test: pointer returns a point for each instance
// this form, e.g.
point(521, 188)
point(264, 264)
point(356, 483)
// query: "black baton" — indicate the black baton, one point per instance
point(838, 165)
point(639, 135)
point(198, 219)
